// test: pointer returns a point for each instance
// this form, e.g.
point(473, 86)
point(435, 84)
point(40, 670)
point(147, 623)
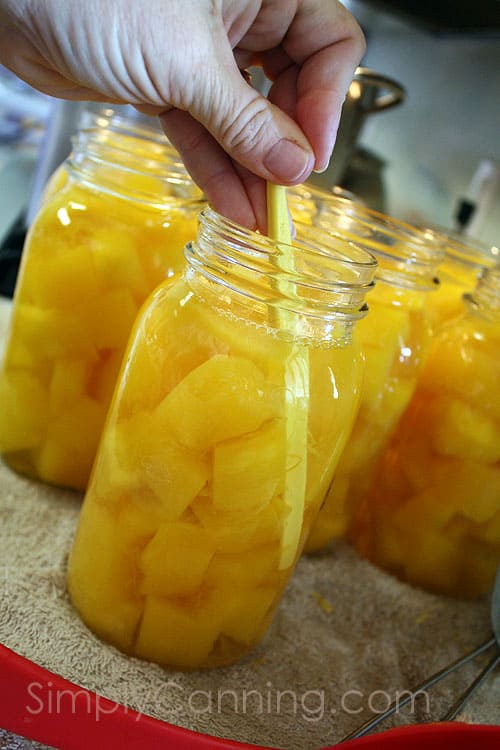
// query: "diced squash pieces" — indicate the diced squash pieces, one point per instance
point(245, 570)
point(432, 511)
point(51, 334)
point(471, 486)
point(139, 513)
point(239, 532)
point(246, 614)
point(103, 576)
point(173, 473)
point(116, 261)
point(466, 432)
point(223, 398)
point(386, 327)
point(60, 281)
point(24, 408)
point(175, 561)
point(109, 322)
point(68, 450)
point(248, 471)
point(68, 383)
point(176, 634)
point(104, 375)
point(192, 469)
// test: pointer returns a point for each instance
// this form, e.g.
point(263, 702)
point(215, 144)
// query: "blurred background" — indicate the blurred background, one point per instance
point(419, 139)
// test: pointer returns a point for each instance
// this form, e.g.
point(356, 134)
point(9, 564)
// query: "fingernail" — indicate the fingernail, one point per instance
point(287, 161)
point(322, 168)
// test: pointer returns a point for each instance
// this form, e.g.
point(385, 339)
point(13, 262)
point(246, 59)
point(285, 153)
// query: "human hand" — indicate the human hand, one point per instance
point(180, 59)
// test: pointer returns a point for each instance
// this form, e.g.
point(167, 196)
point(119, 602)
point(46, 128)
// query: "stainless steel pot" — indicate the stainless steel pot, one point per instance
point(370, 92)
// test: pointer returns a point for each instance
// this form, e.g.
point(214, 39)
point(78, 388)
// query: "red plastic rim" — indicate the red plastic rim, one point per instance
point(86, 720)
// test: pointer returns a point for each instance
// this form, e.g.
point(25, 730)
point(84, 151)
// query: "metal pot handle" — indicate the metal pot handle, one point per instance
point(392, 93)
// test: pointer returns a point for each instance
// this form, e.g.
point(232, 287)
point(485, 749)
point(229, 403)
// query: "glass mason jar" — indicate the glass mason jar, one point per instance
point(310, 204)
point(463, 262)
point(238, 392)
point(433, 513)
point(95, 251)
point(114, 126)
point(395, 338)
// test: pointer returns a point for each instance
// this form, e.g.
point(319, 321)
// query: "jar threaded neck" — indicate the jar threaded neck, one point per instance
point(406, 256)
point(327, 281)
point(131, 161)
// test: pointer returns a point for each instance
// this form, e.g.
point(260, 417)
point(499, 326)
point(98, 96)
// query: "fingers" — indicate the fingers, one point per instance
point(282, 139)
point(327, 43)
point(232, 190)
point(253, 131)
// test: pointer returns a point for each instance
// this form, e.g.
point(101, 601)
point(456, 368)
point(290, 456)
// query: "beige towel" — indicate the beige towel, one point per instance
point(346, 637)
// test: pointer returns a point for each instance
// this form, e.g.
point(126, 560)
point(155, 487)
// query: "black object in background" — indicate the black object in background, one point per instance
point(480, 17)
point(10, 256)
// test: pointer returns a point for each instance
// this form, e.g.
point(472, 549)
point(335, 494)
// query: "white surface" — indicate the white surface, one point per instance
point(449, 123)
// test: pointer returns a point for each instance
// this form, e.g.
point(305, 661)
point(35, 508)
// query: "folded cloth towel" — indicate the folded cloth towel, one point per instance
point(346, 639)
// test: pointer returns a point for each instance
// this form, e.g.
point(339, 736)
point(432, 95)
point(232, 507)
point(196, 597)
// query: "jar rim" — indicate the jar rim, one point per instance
point(370, 217)
point(344, 251)
point(328, 283)
point(407, 255)
point(109, 146)
point(466, 250)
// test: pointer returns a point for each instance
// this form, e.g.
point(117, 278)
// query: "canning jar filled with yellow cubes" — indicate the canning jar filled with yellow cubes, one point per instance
point(463, 262)
point(433, 514)
point(238, 392)
point(109, 233)
point(395, 338)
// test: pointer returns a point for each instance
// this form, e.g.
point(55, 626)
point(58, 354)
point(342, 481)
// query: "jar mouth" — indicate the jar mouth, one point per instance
point(107, 118)
point(407, 255)
point(121, 158)
point(321, 278)
point(354, 263)
point(467, 251)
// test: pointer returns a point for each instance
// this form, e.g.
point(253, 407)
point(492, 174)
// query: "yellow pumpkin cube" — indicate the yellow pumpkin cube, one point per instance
point(24, 404)
point(175, 561)
point(105, 374)
point(245, 570)
point(470, 371)
point(139, 513)
point(425, 511)
point(176, 635)
point(471, 486)
point(247, 612)
point(249, 471)
point(223, 398)
point(433, 561)
point(103, 578)
point(70, 445)
point(117, 263)
point(386, 327)
point(144, 448)
point(109, 321)
point(60, 281)
point(466, 432)
point(68, 383)
point(51, 334)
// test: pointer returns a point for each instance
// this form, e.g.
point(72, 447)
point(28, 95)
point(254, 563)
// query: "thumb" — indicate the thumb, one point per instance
point(252, 130)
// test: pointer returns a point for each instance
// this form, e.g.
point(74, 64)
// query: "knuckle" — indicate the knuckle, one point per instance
point(248, 129)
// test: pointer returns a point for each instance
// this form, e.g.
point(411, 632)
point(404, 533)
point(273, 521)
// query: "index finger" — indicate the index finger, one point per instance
point(327, 44)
